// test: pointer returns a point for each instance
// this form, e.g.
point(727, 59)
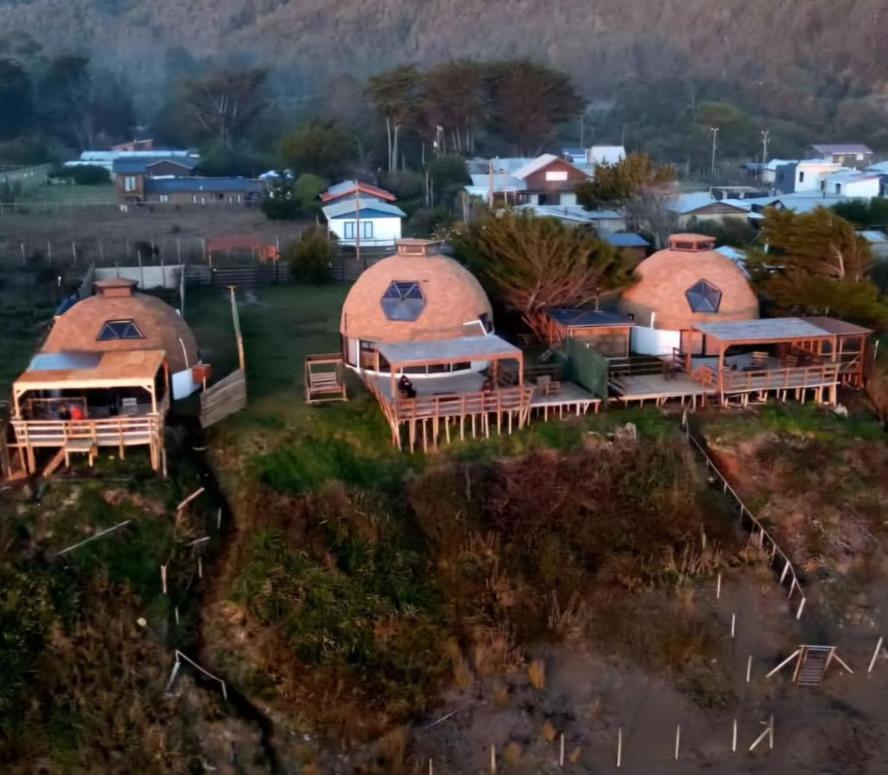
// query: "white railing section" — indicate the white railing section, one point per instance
point(761, 537)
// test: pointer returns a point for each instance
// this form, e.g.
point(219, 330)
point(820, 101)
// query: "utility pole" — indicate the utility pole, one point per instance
point(490, 184)
point(583, 129)
point(766, 136)
point(714, 130)
point(358, 224)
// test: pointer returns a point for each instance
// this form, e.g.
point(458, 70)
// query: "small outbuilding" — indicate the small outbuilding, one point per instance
point(364, 220)
point(686, 284)
point(606, 333)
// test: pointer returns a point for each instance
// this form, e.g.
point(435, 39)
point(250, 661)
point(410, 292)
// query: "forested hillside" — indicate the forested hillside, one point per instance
point(784, 44)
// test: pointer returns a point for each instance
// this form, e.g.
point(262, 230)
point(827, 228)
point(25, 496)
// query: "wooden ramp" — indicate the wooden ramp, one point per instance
point(226, 397)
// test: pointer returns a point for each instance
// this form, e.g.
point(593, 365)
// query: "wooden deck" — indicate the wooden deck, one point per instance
point(569, 399)
point(740, 383)
point(455, 407)
point(82, 435)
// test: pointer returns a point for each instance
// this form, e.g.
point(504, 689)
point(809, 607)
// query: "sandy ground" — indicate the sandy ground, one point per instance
point(589, 697)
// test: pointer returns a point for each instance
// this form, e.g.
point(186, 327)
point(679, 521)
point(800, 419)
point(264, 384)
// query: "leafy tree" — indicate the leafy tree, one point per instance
point(86, 175)
point(64, 97)
point(279, 202)
point(456, 99)
point(16, 99)
point(219, 160)
point(864, 213)
point(532, 264)
point(319, 147)
point(397, 96)
point(308, 189)
point(817, 264)
point(616, 184)
point(311, 255)
point(528, 100)
point(222, 105)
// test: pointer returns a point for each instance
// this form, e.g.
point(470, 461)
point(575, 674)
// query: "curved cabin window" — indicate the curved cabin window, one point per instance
point(403, 301)
point(703, 296)
point(119, 329)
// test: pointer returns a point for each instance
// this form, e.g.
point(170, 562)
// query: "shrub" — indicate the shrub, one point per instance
point(86, 175)
point(280, 203)
point(310, 256)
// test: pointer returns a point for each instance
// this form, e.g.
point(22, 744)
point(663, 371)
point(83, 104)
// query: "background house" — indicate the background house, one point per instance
point(364, 220)
point(804, 175)
point(130, 173)
point(203, 191)
point(702, 207)
point(846, 154)
point(544, 180)
point(853, 184)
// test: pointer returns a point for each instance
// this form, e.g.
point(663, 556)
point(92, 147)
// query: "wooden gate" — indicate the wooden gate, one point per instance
point(226, 397)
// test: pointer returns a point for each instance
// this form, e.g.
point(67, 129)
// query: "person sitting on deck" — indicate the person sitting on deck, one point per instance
point(487, 387)
point(77, 412)
point(405, 387)
point(64, 413)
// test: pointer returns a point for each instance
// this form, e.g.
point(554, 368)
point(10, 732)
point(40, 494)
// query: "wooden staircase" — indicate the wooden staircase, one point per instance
point(813, 662)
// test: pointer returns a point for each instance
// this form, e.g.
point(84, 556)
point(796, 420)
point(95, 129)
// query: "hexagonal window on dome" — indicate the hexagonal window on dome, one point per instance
point(703, 296)
point(403, 301)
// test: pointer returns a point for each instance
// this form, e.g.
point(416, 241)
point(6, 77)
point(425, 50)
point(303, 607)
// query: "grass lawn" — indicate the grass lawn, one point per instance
point(73, 195)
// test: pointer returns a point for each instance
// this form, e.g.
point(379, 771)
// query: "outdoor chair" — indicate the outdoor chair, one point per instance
point(758, 360)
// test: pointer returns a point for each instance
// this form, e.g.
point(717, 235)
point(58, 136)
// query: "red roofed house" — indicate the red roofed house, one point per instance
point(352, 188)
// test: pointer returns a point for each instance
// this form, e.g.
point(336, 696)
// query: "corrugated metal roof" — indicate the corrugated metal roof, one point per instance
point(762, 330)
point(348, 207)
point(626, 240)
point(338, 190)
point(587, 318)
point(874, 237)
point(135, 166)
point(534, 165)
point(70, 360)
point(841, 148)
point(607, 154)
point(836, 326)
point(573, 213)
point(448, 350)
point(198, 185)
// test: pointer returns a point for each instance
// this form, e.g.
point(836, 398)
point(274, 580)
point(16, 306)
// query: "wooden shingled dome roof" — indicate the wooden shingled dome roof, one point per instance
point(689, 282)
point(436, 294)
point(137, 322)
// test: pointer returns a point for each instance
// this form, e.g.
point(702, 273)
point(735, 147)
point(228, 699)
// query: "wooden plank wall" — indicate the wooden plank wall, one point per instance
point(226, 397)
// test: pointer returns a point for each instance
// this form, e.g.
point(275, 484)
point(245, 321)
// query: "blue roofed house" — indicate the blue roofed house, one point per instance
point(203, 191)
point(364, 220)
point(150, 178)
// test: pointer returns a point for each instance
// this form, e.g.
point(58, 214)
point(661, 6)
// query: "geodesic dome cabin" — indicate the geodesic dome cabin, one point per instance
point(686, 284)
point(415, 295)
point(117, 318)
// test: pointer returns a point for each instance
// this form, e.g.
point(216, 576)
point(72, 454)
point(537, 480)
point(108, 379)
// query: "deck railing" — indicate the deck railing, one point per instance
point(461, 404)
point(123, 430)
point(785, 378)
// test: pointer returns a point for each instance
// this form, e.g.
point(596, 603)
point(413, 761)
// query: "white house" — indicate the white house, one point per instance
point(851, 183)
point(370, 222)
point(807, 175)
